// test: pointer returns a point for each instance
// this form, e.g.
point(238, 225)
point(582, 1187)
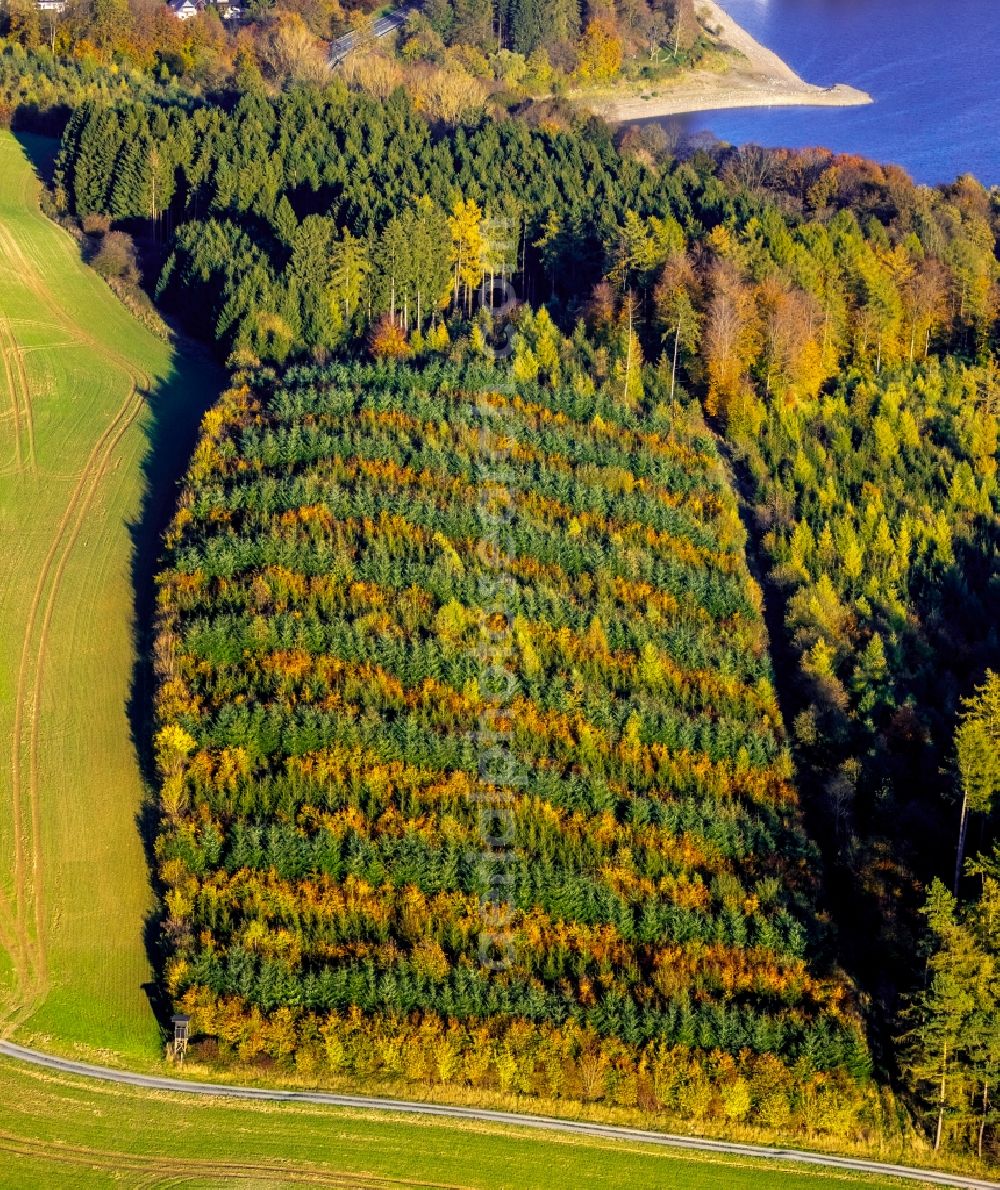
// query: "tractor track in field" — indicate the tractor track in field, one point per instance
point(20, 398)
point(16, 377)
point(168, 1170)
point(16, 356)
point(14, 412)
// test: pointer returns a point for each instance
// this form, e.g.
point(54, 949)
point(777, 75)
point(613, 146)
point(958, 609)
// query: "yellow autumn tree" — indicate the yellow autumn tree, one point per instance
point(600, 52)
point(731, 337)
point(173, 746)
point(468, 249)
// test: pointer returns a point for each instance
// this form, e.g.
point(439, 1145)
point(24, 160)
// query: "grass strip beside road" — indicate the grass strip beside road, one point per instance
point(60, 1130)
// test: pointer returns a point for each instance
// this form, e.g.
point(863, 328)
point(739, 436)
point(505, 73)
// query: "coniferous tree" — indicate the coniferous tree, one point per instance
point(977, 749)
point(937, 1044)
point(350, 265)
point(94, 179)
point(311, 274)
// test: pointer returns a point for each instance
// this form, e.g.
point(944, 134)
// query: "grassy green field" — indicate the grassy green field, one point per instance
point(84, 392)
point(68, 1133)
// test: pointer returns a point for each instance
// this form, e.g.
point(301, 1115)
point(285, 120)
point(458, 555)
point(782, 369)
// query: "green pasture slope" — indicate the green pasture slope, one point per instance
point(93, 410)
point(84, 390)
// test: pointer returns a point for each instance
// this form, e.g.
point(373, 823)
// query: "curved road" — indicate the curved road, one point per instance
point(342, 46)
point(546, 1123)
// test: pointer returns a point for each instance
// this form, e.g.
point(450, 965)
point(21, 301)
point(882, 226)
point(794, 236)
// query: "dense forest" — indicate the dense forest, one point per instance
point(336, 612)
point(835, 324)
point(877, 509)
point(296, 221)
point(353, 209)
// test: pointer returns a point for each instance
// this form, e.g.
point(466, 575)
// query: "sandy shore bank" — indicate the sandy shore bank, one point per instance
point(755, 78)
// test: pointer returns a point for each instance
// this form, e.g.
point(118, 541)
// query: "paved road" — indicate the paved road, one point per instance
point(544, 1123)
point(340, 48)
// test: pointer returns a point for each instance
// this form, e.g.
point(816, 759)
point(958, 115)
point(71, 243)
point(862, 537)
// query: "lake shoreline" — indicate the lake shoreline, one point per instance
point(757, 77)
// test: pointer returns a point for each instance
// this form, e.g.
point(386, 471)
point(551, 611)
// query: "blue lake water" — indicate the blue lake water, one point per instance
point(932, 66)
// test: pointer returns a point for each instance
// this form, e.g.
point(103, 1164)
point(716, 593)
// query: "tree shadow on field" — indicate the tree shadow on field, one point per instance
point(174, 408)
point(41, 151)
